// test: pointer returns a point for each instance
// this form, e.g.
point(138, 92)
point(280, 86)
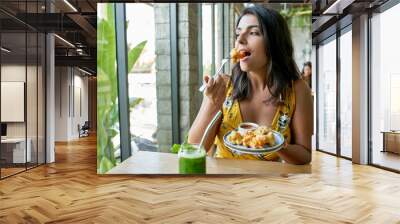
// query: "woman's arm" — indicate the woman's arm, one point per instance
point(214, 97)
point(302, 126)
point(203, 118)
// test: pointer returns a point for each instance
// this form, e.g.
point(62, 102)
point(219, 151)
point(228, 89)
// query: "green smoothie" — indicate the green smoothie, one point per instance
point(192, 160)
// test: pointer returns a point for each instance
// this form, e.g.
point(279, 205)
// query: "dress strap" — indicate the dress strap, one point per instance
point(282, 118)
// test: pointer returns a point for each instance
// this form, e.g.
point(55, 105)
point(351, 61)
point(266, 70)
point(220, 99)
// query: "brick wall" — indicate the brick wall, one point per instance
point(188, 71)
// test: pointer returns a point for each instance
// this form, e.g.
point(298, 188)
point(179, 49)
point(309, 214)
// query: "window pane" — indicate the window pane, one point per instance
point(108, 138)
point(142, 77)
point(218, 34)
point(327, 97)
point(13, 84)
point(345, 94)
point(385, 88)
point(207, 38)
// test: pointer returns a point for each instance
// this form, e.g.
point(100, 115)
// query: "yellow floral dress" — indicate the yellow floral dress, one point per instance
point(232, 118)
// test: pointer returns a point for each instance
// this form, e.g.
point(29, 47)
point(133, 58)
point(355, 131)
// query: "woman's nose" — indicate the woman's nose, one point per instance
point(241, 39)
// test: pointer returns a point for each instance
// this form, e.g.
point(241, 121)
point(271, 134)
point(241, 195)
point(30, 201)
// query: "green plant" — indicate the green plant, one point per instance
point(107, 93)
point(175, 147)
point(298, 16)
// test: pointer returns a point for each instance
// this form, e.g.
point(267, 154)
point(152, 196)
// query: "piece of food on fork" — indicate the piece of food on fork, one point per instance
point(236, 55)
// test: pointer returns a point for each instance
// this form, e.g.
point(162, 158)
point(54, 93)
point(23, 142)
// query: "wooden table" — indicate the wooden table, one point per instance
point(391, 141)
point(143, 162)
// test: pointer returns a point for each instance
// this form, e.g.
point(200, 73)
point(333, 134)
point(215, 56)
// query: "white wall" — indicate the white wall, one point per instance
point(80, 83)
point(62, 81)
point(69, 85)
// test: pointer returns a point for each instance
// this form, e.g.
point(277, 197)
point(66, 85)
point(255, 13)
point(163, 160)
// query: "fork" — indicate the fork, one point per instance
point(224, 61)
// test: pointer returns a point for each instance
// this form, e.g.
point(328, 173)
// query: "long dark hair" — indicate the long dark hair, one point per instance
point(282, 68)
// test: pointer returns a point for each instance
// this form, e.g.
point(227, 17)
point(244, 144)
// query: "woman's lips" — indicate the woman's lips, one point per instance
point(246, 54)
point(244, 59)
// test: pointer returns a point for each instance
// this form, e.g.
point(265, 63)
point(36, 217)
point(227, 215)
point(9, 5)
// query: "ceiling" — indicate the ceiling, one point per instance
point(330, 15)
point(74, 22)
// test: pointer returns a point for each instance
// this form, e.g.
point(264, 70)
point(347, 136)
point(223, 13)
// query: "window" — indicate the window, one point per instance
point(385, 87)
point(142, 77)
point(327, 96)
point(208, 41)
point(108, 133)
point(346, 94)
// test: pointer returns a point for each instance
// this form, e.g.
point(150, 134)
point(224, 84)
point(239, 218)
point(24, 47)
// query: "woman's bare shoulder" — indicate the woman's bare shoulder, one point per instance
point(301, 88)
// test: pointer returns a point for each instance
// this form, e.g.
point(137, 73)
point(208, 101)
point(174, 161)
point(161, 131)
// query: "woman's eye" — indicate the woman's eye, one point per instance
point(254, 33)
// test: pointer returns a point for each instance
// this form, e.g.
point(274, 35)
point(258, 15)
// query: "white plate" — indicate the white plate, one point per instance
point(240, 149)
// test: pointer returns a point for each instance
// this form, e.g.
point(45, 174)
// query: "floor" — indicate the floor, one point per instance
point(70, 191)
point(388, 159)
point(10, 171)
point(14, 170)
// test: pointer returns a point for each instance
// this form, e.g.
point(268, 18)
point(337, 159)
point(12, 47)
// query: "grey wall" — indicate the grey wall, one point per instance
point(188, 71)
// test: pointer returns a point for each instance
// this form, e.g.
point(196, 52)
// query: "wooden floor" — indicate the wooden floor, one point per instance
point(10, 171)
point(70, 191)
point(387, 159)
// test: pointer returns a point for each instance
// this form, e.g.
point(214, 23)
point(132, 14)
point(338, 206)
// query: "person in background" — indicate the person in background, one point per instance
point(306, 73)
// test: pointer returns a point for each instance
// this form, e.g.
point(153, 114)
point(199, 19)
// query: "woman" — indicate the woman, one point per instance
point(306, 73)
point(265, 88)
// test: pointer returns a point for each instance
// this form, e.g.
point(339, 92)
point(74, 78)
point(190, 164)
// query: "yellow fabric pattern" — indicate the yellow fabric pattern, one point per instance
point(232, 118)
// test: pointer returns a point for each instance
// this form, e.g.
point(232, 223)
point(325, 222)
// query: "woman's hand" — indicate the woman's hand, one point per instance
point(298, 151)
point(215, 89)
